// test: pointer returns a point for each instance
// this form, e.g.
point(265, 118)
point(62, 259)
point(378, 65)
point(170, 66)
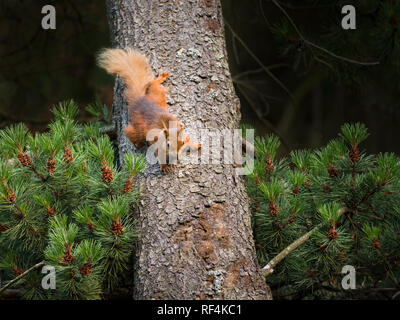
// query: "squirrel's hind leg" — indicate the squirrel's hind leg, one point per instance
point(134, 137)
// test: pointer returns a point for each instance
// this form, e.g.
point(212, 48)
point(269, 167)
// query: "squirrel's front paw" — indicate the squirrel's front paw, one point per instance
point(163, 76)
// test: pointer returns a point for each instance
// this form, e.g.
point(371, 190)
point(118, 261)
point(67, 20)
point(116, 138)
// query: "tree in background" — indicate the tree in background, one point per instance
point(320, 210)
point(39, 68)
point(300, 75)
point(196, 238)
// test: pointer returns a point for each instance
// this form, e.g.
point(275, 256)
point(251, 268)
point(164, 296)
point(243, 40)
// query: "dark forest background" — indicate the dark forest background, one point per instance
point(289, 62)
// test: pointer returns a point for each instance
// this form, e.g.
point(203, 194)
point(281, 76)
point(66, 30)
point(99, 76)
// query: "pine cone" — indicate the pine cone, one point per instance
point(307, 183)
point(332, 233)
point(273, 208)
point(68, 158)
point(295, 190)
point(376, 243)
point(24, 159)
point(3, 228)
point(116, 227)
point(326, 189)
point(86, 269)
point(51, 211)
point(68, 257)
point(10, 196)
point(18, 271)
point(106, 172)
point(269, 165)
point(128, 186)
point(91, 227)
point(310, 273)
point(51, 165)
point(333, 173)
point(354, 154)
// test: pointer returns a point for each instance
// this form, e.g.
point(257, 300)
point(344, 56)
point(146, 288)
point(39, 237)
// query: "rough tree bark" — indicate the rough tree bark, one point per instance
point(196, 238)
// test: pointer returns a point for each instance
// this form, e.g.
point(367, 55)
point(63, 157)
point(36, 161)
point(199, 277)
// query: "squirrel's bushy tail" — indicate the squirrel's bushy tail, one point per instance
point(132, 66)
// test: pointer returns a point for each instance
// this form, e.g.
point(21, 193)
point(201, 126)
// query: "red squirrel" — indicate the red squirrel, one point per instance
point(147, 102)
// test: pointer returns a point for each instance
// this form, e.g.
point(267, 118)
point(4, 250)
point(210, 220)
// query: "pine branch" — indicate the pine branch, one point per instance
point(268, 269)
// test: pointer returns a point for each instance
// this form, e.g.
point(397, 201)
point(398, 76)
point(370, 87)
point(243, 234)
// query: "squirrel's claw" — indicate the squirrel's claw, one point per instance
point(163, 76)
point(167, 168)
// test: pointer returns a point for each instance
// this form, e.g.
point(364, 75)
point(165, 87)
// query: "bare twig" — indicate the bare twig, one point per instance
point(38, 265)
point(268, 269)
point(267, 71)
point(311, 44)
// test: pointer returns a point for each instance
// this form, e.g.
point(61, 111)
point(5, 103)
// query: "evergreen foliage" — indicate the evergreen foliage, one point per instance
point(64, 200)
point(350, 202)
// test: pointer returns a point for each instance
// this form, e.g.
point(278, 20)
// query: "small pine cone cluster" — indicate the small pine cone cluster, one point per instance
point(116, 227)
point(376, 243)
point(333, 172)
point(18, 271)
point(68, 257)
point(354, 154)
point(51, 165)
point(273, 208)
point(310, 273)
point(68, 158)
point(128, 186)
point(86, 269)
point(326, 189)
point(50, 211)
point(291, 218)
point(269, 165)
point(106, 172)
point(10, 196)
point(3, 228)
point(256, 207)
point(332, 233)
point(24, 159)
point(91, 227)
point(307, 183)
point(296, 190)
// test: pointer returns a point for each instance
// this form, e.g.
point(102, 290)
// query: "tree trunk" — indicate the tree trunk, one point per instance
point(196, 238)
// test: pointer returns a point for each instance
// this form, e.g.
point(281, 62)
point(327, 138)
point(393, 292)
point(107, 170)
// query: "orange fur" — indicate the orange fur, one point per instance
point(146, 97)
point(156, 92)
point(132, 66)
